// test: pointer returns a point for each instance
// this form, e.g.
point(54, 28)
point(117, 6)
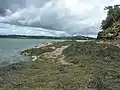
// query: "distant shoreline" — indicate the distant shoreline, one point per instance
point(48, 37)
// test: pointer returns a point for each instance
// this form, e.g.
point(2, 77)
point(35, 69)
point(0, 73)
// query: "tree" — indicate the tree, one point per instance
point(113, 16)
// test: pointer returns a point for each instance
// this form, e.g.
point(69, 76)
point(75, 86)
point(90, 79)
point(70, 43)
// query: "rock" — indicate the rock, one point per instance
point(110, 33)
point(34, 58)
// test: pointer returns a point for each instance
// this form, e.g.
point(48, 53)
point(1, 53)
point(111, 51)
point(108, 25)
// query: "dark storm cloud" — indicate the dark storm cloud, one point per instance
point(63, 17)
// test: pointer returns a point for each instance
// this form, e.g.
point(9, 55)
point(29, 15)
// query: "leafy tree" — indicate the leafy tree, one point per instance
point(113, 16)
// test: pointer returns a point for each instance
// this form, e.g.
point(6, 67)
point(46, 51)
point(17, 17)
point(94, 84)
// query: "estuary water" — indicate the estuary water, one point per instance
point(10, 49)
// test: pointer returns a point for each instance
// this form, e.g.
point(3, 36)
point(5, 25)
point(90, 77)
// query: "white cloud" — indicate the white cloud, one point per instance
point(58, 17)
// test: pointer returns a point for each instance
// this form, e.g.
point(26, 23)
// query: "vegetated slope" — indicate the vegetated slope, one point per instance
point(98, 64)
point(111, 26)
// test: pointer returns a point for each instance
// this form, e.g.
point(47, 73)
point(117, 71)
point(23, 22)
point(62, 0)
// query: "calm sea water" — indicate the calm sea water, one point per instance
point(10, 49)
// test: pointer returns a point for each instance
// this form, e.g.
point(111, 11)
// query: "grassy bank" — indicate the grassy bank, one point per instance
point(93, 66)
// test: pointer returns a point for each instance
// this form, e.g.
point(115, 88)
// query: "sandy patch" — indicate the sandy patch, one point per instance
point(57, 55)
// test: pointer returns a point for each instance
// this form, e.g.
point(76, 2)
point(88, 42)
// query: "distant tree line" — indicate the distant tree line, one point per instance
point(47, 37)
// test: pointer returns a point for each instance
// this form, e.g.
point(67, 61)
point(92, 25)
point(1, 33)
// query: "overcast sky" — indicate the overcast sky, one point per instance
point(53, 17)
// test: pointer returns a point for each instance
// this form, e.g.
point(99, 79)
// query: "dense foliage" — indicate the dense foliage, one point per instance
point(113, 16)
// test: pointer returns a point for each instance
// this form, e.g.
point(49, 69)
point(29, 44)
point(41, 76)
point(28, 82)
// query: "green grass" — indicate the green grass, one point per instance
point(43, 75)
point(95, 67)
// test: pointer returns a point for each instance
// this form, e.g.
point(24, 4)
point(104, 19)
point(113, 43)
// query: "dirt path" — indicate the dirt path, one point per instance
point(56, 55)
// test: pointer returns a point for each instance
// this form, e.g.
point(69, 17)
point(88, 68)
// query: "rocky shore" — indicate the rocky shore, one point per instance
point(68, 65)
point(51, 51)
